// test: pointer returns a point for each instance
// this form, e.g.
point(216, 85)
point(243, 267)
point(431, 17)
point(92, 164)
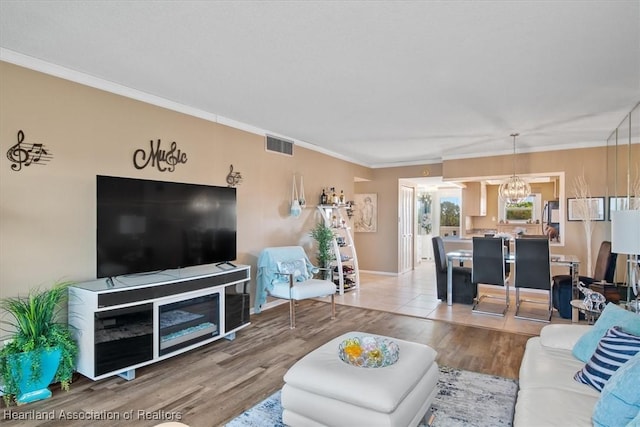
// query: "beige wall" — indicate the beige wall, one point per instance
point(378, 251)
point(47, 212)
point(574, 163)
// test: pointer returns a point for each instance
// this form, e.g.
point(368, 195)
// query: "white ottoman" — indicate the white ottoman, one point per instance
point(322, 390)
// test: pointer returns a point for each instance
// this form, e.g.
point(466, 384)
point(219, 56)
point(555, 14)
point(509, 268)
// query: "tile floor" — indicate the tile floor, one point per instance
point(414, 294)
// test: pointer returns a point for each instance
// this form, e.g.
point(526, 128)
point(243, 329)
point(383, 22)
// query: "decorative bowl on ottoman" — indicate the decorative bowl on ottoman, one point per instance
point(369, 351)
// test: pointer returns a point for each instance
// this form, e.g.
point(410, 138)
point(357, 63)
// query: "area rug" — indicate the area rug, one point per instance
point(464, 399)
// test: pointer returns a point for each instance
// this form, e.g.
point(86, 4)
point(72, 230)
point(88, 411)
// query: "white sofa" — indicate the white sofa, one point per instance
point(548, 395)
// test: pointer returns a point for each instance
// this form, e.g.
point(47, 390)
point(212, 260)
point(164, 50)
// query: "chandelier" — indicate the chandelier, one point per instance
point(515, 189)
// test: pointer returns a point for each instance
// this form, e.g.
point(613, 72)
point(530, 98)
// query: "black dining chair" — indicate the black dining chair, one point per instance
point(464, 291)
point(533, 271)
point(489, 269)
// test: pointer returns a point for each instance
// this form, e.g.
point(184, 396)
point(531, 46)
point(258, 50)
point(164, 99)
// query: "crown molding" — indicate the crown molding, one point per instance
point(32, 63)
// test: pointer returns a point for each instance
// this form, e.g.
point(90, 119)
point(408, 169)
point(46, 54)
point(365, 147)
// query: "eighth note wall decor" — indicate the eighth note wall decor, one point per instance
point(25, 154)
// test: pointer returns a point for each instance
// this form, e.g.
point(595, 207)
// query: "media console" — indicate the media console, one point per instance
point(131, 321)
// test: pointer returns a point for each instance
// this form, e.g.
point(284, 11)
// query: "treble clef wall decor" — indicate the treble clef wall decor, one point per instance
point(23, 154)
point(234, 178)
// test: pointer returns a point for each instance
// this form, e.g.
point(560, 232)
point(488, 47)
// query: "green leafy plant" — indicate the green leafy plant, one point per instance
point(323, 235)
point(36, 325)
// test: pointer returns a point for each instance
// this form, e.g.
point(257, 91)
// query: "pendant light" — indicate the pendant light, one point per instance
point(515, 189)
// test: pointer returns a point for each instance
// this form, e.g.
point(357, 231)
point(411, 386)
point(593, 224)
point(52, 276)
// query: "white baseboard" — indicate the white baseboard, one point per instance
point(381, 273)
point(270, 304)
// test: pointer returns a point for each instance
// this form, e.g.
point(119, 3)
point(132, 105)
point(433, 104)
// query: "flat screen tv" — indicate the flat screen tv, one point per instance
point(147, 226)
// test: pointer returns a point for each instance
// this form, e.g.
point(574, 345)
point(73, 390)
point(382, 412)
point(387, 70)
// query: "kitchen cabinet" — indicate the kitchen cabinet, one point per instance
point(474, 199)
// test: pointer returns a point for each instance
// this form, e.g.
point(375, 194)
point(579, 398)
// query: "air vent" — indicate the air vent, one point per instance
point(278, 145)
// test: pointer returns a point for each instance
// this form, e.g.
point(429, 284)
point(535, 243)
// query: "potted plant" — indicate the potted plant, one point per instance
point(323, 235)
point(40, 348)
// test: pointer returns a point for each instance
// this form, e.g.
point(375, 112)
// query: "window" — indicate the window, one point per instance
point(424, 216)
point(526, 211)
point(450, 212)
point(520, 211)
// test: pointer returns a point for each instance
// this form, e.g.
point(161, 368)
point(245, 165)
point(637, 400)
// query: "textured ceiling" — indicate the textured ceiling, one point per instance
point(380, 83)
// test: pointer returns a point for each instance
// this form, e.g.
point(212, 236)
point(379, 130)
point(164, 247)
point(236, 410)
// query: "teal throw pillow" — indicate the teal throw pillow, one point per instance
point(612, 315)
point(619, 402)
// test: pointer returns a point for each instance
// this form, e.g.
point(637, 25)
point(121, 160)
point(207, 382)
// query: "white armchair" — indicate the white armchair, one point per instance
point(286, 272)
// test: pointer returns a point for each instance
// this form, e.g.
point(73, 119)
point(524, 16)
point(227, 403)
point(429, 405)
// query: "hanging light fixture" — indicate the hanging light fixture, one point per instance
point(515, 189)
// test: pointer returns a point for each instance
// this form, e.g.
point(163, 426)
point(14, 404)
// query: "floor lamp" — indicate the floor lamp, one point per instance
point(625, 239)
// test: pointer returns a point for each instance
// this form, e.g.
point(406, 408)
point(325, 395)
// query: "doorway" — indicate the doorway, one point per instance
point(406, 227)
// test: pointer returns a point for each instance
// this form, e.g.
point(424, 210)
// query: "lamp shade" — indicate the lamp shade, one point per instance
point(625, 232)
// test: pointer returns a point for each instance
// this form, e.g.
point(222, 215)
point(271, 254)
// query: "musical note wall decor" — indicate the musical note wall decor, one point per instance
point(162, 159)
point(24, 154)
point(233, 178)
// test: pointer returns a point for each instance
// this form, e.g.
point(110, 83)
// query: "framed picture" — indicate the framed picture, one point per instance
point(623, 203)
point(581, 209)
point(366, 213)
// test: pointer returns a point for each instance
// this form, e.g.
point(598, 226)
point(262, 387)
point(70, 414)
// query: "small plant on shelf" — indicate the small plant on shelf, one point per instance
point(36, 331)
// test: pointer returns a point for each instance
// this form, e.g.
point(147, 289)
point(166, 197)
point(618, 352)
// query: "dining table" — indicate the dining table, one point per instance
point(570, 261)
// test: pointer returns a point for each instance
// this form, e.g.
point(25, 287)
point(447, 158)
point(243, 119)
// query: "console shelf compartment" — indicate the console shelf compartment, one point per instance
point(188, 334)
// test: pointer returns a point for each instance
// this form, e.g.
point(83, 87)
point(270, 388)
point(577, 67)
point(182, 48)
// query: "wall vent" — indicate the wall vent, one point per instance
point(278, 145)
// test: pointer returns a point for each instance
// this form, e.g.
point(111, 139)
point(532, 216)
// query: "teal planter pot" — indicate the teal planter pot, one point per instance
point(32, 389)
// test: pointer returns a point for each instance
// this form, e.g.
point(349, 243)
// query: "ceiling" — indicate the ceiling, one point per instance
point(379, 83)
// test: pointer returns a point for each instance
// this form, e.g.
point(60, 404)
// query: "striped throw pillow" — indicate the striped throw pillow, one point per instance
point(614, 349)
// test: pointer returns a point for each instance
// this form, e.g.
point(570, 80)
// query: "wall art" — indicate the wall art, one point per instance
point(25, 154)
point(579, 209)
point(163, 160)
point(366, 213)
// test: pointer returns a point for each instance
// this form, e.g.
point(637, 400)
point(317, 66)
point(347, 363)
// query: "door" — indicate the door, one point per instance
point(406, 227)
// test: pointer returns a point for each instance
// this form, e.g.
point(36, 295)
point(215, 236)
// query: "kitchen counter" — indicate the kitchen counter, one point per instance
point(528, 228)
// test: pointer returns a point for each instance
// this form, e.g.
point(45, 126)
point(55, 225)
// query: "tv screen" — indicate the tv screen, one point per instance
point(146, 226)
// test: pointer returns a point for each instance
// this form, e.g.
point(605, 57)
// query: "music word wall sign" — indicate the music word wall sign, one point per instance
point(24, 154)
point(164, 160)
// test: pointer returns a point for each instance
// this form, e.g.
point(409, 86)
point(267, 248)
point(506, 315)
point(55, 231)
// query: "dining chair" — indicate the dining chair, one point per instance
point(464, 291)
point(507, 251)
point(489, 269)
point(533, 271)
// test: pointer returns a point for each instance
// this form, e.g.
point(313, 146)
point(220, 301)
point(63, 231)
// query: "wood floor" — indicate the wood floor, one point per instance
point(211, 385)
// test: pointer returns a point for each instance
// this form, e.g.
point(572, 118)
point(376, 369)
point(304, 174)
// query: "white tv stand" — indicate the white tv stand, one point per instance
point(132, 321)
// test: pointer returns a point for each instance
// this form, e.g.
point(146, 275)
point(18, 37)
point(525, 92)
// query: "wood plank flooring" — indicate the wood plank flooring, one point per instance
point(211, 385)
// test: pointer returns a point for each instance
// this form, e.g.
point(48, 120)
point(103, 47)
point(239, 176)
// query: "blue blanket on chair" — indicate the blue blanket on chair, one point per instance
point(268, 267)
